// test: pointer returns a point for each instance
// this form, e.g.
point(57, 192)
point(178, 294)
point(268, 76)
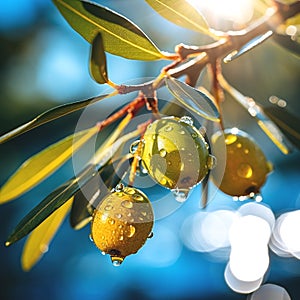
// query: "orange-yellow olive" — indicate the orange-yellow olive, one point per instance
point(246, 167)
point(122, 223)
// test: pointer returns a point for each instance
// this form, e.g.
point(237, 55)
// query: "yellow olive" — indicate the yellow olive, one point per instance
point(246, 167)
point(122, 223)
point(174, 153)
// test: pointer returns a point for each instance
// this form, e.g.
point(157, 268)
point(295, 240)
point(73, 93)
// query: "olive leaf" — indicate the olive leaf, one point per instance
point(50, 204)
point(98, 68)
point(248, 46)
point(66, 191)
point(120, 36)
point(182, 13)
point(89, 197)
point(286, 121)
point(50, 115)
point(257, 112)
point(38, 241)
point(41, 165)
point(193, 99)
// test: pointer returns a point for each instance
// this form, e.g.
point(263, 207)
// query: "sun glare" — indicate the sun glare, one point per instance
point(237, 11)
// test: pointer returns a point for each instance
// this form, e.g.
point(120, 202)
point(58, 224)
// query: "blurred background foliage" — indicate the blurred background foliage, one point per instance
point(44, 63)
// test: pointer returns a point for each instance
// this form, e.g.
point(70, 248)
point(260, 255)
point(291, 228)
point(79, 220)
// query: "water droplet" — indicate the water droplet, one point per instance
point(103, 252)
point(181, 166)
point(116, 260)
point(211, 161)
point(239, 145)
point(137, 197)
point(127, 204)
point(141, 218)
point(120, 226)
point(163, 181)
point(151, 234)
point(108, 207)
point(144, 213)
point(256, 197)
point(111, 221)
point(168, 128)
point(121, 238)
point(230, 139)
point(180, 195)
point(141, 170)
point(118, 216)
point(131, 231)
point(244, 170)
point(134, 146)
point(182, 132)
point(130, 191)
point(187, 120)
point(91, 238)
point(103, 237)
point(246, 151)
point(119, 187)
point(162, 152)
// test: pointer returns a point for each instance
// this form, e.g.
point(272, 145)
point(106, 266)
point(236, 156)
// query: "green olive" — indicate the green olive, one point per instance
point(246, 167)
point(174, 153)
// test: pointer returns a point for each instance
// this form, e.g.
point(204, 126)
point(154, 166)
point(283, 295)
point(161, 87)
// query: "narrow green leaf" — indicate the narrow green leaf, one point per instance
point(38, 241)
point(50, 115)
point(257, 112)
point(50, 204)
point(89, 196)
point(286, 121)
point(66, 191)
point(249, 46)
point(182, 13)
point(120, 36)
point(44, 163)
point(98, 68)
point(193, 99)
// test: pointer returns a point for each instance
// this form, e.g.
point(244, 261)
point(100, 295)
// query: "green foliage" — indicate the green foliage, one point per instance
point(193, 99)
point(98, 60)
point(108, 31)
point(41, 165)
point(120, 36)
point(182, 13)
point(50, 115)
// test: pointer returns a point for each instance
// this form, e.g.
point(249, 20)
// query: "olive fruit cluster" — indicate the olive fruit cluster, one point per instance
point(246, 167)
point(122, 223)
point(175, 154)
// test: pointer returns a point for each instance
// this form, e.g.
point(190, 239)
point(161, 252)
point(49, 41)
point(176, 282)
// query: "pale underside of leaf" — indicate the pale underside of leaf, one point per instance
point(120, 36)
point(50, 115)
point(38, 241)
point(44, 163)
point(181, 13)
point(193, 99)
